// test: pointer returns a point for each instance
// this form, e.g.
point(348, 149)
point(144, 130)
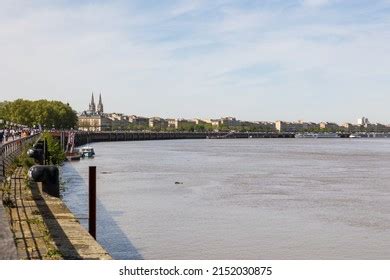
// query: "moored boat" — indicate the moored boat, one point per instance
point(87, 152)
point(73, 156)
point(71, 153)
point(306, 135)
point(328, 135)
point(355, 136)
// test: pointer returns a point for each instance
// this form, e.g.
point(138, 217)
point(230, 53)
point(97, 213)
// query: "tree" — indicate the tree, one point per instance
point(48, 114)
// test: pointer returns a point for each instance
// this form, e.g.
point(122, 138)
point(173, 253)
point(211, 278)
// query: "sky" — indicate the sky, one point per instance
point(315, 60)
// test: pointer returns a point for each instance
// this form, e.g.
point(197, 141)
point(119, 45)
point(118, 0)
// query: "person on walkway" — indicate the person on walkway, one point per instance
point(6, 135)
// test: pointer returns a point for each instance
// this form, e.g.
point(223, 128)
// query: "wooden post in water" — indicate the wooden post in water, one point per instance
point(92, 201)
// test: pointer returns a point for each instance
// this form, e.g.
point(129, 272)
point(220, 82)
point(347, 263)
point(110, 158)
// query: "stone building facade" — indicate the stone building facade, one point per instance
point(94, 118)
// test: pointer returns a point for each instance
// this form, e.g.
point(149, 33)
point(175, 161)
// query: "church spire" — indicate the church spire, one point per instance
point(100, 105)
point(92, 106)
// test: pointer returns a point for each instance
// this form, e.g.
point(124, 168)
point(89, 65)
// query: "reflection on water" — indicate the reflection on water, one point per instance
point(239, 199)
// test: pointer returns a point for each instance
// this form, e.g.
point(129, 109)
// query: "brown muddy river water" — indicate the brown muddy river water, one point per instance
point(238, 198)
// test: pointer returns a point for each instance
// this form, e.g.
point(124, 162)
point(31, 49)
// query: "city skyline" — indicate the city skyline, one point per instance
point(317, 60)
point(88, 109)
point(98, 110)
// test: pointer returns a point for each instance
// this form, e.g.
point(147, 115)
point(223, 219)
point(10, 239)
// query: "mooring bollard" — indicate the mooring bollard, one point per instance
point(92, 201)
point(37, 155)
point(49, 176)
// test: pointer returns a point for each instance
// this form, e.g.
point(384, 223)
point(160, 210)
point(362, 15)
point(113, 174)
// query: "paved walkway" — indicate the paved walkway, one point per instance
point(43, 226)
point(7, 245)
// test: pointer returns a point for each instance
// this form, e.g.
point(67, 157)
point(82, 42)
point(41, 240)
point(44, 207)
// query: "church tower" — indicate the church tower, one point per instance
point(92, 106)
point(100, 105)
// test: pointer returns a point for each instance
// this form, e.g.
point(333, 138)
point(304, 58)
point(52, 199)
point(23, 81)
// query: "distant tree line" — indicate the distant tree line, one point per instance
point(48, 114)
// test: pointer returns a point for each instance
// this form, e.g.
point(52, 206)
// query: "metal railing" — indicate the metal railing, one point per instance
point(10, 150)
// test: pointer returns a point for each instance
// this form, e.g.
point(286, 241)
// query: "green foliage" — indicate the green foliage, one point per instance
point(57, 155)
point(135, 127)
point(23, 160)
point(247, 127)
point(2, 113)
point(48, 114)
point(203, 127)
point(53, 254)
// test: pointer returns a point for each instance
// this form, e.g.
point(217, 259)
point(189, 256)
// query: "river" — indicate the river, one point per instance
point(238, 198)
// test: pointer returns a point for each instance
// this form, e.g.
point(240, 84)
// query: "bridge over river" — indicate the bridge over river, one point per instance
point(83, 137)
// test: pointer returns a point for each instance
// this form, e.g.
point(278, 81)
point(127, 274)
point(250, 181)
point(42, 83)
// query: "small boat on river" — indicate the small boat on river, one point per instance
point(87, 151)
point(355, 136)
point(72, 156)
point(328, 135)
point(306, 135)
point(71, 153)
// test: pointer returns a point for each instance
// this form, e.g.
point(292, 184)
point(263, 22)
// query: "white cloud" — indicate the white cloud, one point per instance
point(147, 62)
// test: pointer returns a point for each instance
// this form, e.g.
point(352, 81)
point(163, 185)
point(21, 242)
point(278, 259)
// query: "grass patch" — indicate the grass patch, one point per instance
point(53, 254)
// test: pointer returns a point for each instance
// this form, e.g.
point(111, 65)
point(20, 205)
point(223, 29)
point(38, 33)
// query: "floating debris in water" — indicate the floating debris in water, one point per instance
point(179, 183)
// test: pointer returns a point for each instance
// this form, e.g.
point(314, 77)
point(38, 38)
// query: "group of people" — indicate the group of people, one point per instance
point(13, 133)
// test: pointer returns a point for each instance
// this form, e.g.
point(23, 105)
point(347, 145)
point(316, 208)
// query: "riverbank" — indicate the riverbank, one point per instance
point(42, 226)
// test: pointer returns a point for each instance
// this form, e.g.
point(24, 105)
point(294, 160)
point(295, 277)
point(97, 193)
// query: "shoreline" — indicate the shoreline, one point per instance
point(43, 227)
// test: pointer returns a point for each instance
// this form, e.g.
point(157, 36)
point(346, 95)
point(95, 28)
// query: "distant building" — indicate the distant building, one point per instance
point(119, 121)
point(330, 126)
point(229, 121)
point(298, 126)
point(265, 126)
point(180, 123)
point(282, 126)
point(116, 116)
point(94, 123)
point(307, 126)
point(215, 122)
point(171, 123)
point(348, 127)
point(199, 121)
point(139, 121)
point(158, 123)
point(94, 119)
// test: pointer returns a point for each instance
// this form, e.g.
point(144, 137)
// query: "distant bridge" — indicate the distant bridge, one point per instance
point(88, 137)
point(83, 137)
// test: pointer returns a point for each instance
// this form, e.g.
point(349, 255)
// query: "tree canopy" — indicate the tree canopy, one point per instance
point(42, 112)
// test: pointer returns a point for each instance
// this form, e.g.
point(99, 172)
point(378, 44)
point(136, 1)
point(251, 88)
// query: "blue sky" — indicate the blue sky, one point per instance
point(256, 60)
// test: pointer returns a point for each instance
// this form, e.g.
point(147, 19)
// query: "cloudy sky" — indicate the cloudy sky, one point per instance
point(256, 60)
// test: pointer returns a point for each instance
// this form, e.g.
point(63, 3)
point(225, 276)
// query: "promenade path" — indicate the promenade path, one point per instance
point(43, 227)
point(7, 244)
